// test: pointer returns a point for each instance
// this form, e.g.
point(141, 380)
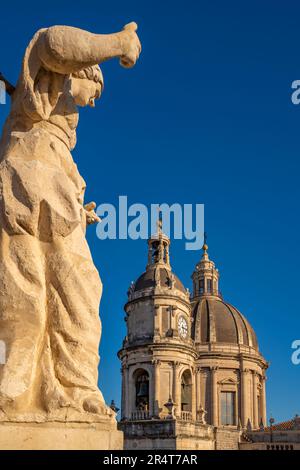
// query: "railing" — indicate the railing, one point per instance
point(140, 415)
point(186, 415)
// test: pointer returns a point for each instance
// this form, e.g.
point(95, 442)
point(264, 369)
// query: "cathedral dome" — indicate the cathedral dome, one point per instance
point(219, 322)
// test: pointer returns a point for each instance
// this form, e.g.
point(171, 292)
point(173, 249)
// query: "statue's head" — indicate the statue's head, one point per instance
point(87, 85)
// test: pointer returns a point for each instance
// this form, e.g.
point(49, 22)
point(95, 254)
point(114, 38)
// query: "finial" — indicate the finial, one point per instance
point(159, 222)
point(249, 425)
point(114, 407)
point(205, 246)
point(261, 425)
point(170, 405)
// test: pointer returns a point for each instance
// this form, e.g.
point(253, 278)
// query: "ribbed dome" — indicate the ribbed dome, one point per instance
point(219, 322)
point(147, 280)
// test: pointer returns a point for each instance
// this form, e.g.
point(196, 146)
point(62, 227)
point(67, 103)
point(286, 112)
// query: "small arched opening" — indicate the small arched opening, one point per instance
point(141, 380)
point(186, 391)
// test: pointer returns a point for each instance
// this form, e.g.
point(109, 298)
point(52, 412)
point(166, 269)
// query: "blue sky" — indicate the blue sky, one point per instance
point(204, 117)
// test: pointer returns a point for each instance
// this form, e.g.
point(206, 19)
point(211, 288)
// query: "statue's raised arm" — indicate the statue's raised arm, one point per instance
point(60, 71)
point(64, 49)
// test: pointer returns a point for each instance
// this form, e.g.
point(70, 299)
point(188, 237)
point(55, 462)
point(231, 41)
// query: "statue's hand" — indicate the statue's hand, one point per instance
point(91, 216)
point(130, 45)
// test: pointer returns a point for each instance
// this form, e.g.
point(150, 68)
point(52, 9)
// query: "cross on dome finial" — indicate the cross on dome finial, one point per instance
point(158, 243)
point(205, 246)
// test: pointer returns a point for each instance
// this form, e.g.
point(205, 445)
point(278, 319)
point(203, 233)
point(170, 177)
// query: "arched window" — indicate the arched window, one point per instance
point(186, 391)
point(155, 252)
point(141, 379)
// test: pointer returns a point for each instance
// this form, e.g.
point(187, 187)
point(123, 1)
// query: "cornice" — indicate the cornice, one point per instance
point(152, 296)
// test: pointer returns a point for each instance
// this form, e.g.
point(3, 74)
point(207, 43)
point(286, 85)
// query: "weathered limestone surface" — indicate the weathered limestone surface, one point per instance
point(50, 289)
point(55, 436)
point(167, 434)
point(227, 439)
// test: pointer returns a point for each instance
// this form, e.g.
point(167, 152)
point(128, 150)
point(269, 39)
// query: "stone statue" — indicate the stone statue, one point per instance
point(201, 415)
point(50, 289)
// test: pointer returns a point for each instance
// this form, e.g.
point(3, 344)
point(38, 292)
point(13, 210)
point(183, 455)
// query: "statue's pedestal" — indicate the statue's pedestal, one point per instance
point(60, 436)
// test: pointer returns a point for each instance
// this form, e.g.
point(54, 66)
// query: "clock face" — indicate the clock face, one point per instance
point(182, 327)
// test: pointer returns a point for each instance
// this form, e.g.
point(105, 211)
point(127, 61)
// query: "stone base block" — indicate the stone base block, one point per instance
point(167, 434)
point(60, 436)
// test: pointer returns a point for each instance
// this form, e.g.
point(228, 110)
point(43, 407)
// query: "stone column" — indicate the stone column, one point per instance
point(244, 397)
point(130, 393)
point(157, 321)
point(167, 254)
point(176, 388)
point(263, 411)
point(254, 398)
point(214, 396)
point(194, 409)
point(198, 389)
point(123, 399)
point(156, 391)
point(173, 325)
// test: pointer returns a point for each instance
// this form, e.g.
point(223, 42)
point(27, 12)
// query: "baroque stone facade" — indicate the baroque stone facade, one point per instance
point(192, 373)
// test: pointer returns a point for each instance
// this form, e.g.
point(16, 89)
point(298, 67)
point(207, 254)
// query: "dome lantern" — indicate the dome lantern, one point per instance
point(206, 276)
point(158, 274)
point(158, 248)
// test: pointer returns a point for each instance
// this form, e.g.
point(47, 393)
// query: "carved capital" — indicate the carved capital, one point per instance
point(156, 362)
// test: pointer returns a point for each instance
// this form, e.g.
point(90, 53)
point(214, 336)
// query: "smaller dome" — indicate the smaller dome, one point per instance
point(147, 280)
point(219, 322)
